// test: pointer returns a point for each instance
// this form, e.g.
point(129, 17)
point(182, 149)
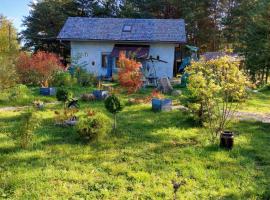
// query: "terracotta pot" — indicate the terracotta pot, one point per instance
point(227, 140)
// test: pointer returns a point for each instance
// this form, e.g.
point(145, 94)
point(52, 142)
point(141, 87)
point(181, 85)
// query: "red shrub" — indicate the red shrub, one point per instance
point(38, 68)
point(130, 76)
point(26, 73)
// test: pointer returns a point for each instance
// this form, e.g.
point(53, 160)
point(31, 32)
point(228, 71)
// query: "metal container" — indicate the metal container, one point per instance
point(100, 94)
point(161, 104)
point(227, 140)
point(47, 91)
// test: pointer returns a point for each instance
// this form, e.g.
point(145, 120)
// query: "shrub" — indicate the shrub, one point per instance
point(19, 93)
point(93, 126)
point(84, 78)
point(28, 124)
point(38, 68)
point(212, 86)
point(130, 76)
point(63, 94)
point(27, 74)
point(113, 105)
point(265, 88)
point(8, 74)
point(62, 78)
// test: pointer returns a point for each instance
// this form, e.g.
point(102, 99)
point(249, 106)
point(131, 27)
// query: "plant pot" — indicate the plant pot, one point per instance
point(50, 91)
point(161, 104)
point(227, 140)
point(100, 94)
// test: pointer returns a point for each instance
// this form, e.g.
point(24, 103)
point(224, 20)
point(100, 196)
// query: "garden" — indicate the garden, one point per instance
point(66, 134)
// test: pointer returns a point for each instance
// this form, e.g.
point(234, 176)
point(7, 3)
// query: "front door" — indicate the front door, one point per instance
point(109, 66)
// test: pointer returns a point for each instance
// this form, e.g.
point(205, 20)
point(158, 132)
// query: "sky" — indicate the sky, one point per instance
point(15, 10)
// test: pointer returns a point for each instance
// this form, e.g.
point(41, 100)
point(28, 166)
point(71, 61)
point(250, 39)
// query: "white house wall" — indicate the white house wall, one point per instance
point(90, 53)
point(165, 53)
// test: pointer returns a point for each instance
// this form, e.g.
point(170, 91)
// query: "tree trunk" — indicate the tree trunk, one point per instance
point(267, 75)
point(114, 125)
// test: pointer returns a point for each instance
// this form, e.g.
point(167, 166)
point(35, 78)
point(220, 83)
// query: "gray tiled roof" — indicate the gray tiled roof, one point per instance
point(110, 29)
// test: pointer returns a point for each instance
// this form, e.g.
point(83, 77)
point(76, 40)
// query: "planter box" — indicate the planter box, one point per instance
point(161, 105)
point(100, 94)
point(47, 91)
point(227, 140)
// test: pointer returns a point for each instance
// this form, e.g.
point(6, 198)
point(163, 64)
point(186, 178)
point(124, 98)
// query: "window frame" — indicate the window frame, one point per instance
point(106, 54)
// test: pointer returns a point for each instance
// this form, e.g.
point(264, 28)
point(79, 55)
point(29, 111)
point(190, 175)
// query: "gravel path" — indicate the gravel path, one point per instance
point(242, 116)
point(261, 117)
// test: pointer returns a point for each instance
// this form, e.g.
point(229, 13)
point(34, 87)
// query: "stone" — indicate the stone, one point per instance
point(165, 85)
point(176, 92)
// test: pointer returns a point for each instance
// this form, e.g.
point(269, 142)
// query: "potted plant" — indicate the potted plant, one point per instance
point(44, 65)
point(46, 90)
point(100, 94)
point(159, 103)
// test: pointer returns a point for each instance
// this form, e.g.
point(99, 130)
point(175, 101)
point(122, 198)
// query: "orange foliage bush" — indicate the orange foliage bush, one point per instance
point(130, 76)
point(38, 68)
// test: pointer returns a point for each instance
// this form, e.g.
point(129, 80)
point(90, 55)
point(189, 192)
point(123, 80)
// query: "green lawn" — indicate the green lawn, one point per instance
point(139, 161)
point(257, 102)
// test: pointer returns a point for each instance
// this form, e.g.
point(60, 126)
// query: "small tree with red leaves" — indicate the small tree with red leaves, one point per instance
point(45, 64)
point(130, 76)
point(38, 68)
point(27, 74)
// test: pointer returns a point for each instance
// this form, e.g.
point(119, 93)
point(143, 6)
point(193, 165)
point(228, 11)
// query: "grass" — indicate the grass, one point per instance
point(138, 162)
point(257, 102)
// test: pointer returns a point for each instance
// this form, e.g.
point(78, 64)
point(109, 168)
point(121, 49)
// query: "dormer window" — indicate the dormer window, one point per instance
point(127, 28)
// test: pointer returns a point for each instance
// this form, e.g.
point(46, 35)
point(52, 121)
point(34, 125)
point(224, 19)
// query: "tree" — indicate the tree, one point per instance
point(8, 76)
point(113, 105)
point(216, 87)
point(130, 76)
point(256, 42)
point(38, 68)
point(44, 22)
point(9, 45)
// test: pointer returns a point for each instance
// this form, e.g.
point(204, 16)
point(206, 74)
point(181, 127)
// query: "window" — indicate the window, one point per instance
point(127, 28)
point(104, 60)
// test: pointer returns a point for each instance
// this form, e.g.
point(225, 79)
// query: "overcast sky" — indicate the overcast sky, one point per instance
point(15, 10)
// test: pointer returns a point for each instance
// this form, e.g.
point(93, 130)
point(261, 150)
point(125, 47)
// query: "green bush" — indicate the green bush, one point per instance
point(265, 88)
point(63, 78)
point(19, 93)
point(84, 78)
point(113, 105)
point(8, 75)
point(63, 94)
point(213, 88)
point(93, 127)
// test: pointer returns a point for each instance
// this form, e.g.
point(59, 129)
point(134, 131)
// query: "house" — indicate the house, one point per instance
point(98, 42)
point(215, 55)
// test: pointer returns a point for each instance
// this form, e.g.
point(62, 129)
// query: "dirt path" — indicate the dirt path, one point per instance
point(261, 117)
point(19, 108)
